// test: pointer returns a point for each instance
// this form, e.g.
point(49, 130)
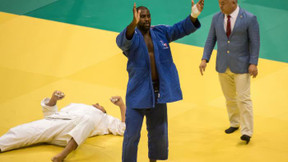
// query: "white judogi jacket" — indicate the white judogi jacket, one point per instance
point(79, 121)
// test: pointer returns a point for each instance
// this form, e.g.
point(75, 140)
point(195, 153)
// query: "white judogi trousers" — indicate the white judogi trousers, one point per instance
point(52, 131)
point(236, 89)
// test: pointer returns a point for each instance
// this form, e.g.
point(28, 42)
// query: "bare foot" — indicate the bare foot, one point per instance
point(57, 158)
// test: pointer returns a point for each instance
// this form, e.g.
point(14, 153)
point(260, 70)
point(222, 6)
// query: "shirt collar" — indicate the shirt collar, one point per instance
point(234, 14)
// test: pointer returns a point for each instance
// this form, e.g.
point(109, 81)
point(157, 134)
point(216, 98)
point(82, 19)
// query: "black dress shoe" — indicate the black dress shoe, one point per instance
point(245, 138)
point(231, 130)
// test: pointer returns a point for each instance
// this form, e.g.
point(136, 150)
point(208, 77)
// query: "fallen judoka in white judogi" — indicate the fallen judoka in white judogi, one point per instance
point(75, 121)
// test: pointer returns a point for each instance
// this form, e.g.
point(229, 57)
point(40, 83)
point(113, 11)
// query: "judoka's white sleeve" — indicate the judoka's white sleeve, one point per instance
point(48, 110)
point(115, 126)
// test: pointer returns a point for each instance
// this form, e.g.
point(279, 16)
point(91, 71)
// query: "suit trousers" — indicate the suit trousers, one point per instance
point(236, 89)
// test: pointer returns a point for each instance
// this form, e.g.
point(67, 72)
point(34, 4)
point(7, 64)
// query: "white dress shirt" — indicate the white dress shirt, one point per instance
point(233, 18)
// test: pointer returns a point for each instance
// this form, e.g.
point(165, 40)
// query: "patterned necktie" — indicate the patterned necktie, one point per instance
point(228, 28)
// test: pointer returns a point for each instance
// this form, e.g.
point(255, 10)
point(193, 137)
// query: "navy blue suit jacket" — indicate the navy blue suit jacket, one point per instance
point(239, 50)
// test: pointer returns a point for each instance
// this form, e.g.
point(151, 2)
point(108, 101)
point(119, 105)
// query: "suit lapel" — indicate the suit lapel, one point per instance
point(221, 23)
point(238, 21)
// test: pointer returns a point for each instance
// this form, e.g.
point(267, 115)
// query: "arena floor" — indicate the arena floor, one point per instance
point(40, 55)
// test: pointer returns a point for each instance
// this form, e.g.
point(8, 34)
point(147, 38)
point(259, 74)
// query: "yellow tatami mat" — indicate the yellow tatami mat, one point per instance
point(39, 56)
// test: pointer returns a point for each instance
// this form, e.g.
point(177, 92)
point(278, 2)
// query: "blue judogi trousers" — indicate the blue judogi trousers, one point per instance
point(157, 127)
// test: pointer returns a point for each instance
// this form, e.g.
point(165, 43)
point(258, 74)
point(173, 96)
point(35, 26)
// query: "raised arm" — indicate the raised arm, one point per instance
point(56, 95)
point(117, 100)
point(131, 27)
point(186, 26)
point(126, 38)
point(196, 10)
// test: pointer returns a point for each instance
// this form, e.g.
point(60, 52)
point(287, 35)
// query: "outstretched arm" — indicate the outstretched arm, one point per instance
point(186, 26)
point(117, 100)
point(56, 95)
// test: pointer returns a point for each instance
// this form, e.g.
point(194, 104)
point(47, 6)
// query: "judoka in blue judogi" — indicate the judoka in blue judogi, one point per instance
point(153, 79)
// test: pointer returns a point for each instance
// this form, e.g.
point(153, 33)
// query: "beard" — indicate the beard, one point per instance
point(144, 27)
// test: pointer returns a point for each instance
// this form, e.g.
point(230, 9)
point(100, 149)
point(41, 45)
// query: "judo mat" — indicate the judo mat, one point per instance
point(39, 55)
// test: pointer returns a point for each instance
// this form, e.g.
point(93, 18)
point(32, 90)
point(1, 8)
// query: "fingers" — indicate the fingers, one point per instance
point(138, 15)
point(200, 5)
point(115, 99)
point(202, 2)
point(254, 74)
point(59, 95)
point(253, 71)
point(202, 69)
point(134, 9)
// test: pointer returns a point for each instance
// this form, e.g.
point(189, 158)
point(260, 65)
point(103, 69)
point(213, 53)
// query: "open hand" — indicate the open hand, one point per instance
point(136, 15)
point(200, 5)
point(196, 9)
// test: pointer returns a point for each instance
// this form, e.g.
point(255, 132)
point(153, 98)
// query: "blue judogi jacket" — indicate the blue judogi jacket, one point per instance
point(140, 93)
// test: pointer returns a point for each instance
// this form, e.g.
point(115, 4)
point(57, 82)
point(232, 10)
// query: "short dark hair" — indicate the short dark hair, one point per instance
point(141, 8)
